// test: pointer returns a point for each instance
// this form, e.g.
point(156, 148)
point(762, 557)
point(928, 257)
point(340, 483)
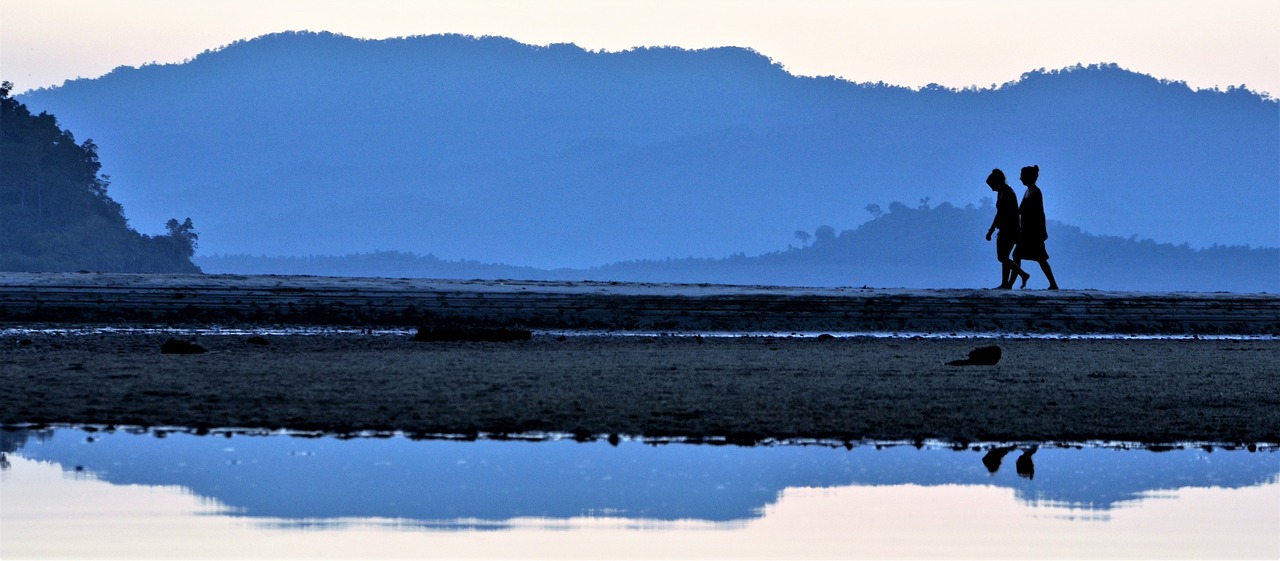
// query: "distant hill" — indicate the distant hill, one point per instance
point(488, 149)
point(55, 213)
point(924, 247)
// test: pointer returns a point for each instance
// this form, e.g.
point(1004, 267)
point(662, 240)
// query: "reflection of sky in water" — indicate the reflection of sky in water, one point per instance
point(124, 495)
point(327, 477)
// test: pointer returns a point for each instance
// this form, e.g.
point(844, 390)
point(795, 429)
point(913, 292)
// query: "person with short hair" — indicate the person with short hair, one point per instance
point(1007, 222)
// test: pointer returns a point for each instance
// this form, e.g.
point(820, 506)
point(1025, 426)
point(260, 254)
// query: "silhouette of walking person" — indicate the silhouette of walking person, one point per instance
point(1034, 232)
point(1007, 222)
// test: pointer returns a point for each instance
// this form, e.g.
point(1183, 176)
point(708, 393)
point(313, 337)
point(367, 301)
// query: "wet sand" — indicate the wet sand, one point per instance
point(744, 389)
point(117, 299)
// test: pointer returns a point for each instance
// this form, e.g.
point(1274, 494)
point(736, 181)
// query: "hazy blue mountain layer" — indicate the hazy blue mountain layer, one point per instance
point(488, 149)
point(927, 247)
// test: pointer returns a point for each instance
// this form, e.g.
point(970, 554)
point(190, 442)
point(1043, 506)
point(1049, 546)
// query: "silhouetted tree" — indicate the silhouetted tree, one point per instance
point(182, 235)
point(54, 207)
point(824, 234)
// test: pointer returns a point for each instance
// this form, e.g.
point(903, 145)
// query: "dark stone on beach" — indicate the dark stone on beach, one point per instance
point(180, 347)
point(25, 342)
point(826, 337)
point(745, 438)
point(258, 340)
point(981, 356)
point(476, 334)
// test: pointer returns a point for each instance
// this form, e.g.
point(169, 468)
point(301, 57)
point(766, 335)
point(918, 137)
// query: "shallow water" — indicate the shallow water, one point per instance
point(92, 494)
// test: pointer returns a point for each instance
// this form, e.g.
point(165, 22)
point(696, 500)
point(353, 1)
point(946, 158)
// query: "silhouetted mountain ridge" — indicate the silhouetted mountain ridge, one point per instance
point(485, 148)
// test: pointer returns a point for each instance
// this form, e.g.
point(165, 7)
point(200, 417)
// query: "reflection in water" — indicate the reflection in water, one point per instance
point(288, 484)
point(329, 477)
point(1026, 468)
point(996, 455)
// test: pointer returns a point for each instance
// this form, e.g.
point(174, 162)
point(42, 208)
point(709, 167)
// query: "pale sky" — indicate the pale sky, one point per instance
point(1206, 43)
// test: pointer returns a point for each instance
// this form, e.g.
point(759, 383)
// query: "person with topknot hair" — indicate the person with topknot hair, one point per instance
point(1033, 229)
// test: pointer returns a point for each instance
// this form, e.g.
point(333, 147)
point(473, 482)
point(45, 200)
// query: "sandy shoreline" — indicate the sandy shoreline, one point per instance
point(742, 388)
point(231, 300)
point(854, 389)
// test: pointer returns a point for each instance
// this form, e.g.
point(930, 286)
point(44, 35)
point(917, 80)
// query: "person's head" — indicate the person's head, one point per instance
point(996, 179)
point(1029, 175)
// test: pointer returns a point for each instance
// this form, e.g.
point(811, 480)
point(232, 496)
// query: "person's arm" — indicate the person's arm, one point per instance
point(994, 220)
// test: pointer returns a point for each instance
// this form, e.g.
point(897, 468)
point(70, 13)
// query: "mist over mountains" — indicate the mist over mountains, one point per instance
point(900, 248)
point(488, 149)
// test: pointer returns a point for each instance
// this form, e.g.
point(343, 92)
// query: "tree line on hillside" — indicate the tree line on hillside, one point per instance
point(55, 213)
point(914, 247)
point(389, 264)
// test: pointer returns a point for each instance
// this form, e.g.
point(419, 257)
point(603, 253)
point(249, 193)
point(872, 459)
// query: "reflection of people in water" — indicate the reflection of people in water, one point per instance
point(993, 457)
point(1034, 233)
point(1026, 468)
point(1007, 222)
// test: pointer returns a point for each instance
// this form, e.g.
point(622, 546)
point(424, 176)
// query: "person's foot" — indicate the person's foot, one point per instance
point(1053, 287)
point(1003, 287)
point(1025, 278)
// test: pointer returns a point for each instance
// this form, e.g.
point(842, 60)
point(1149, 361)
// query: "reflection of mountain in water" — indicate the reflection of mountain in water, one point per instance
point(297, 478)
point(13, 440)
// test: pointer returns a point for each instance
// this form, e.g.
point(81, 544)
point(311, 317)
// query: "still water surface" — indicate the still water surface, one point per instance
point(91, 494)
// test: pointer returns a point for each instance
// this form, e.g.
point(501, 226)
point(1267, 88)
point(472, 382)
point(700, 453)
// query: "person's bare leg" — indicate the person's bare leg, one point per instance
point(1009, 271)
point(1048, 273)
point(1025, 275)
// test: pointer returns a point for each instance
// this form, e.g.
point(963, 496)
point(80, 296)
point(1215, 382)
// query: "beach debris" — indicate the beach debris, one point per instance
point(180, 347)
point(258, 340)
point(477, 334)
point(745, 438)
point(981, 356)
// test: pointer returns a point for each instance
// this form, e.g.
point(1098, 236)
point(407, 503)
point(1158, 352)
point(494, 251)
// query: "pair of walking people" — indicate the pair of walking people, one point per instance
point(1022, 228)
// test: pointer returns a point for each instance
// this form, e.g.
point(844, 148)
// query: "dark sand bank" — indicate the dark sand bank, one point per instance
point(744, 388)
point(117, 299)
